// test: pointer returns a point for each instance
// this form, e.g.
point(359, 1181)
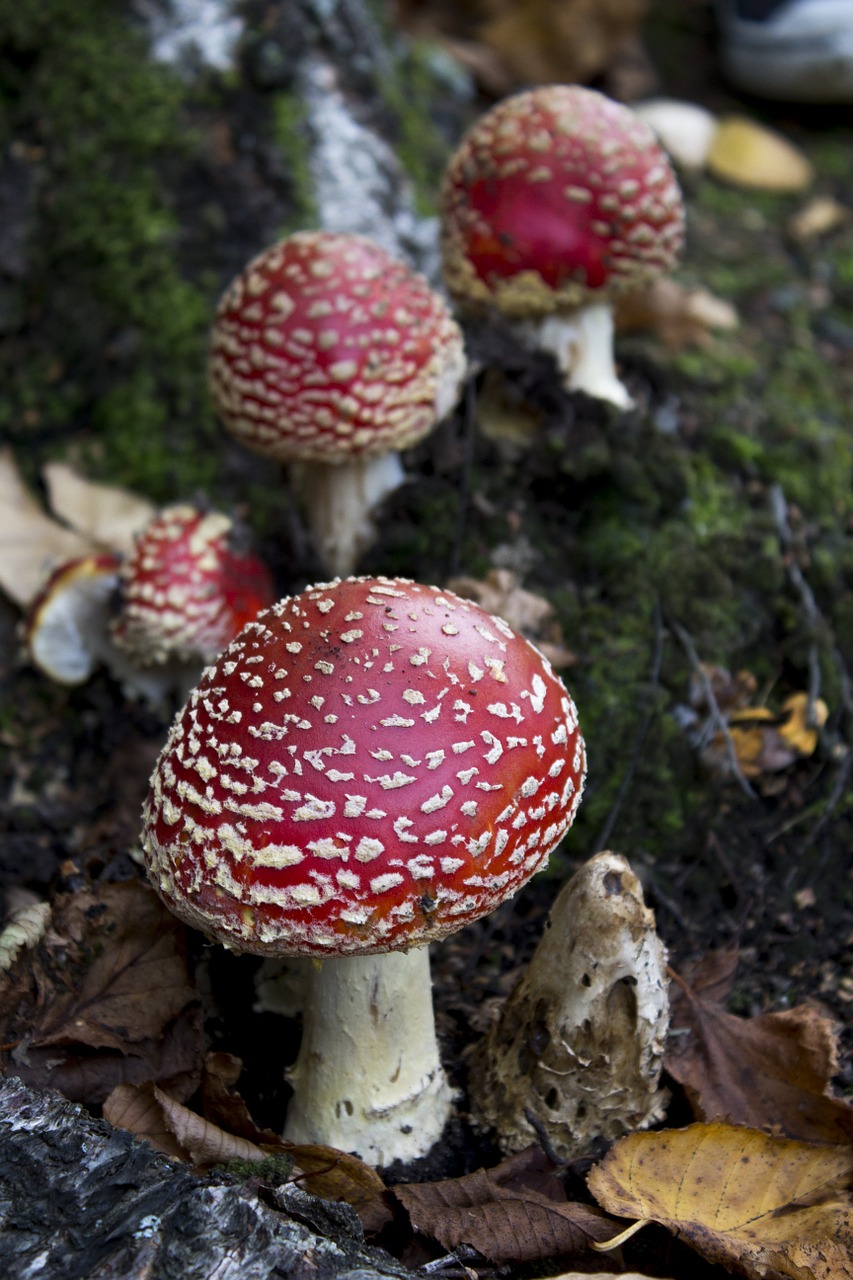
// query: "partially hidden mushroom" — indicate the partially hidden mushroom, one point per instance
point(328, 352)
point(368, 767)
point(577, 1050)
point(189, 586)
point(557, 199)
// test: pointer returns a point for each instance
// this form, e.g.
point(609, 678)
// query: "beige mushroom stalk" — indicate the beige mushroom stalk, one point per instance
point(328, 352)
point(368, 767)
point(579, 1043)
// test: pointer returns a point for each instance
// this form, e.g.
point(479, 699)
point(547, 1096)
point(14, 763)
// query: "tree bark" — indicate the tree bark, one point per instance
point(80, 1200)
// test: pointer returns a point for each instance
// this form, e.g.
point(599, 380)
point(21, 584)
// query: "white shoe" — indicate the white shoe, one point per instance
point(794, 50)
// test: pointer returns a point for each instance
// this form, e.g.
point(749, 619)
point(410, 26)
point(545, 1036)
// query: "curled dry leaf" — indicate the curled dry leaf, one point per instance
point(31, 543)
point(772, 1071)
point(678, 317)
point(516, 1212)
point(755, 1204)
point(501, 593)
point(108, 516)
point(748, 154)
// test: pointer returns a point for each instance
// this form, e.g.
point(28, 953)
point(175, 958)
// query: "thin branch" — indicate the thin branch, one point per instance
point(779, 510)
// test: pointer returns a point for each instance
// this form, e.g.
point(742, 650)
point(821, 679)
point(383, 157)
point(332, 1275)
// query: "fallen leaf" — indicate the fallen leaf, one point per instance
point(772, 1071)
point(819, 217)
point(151, 1113)
point(516, 1212)
point(31, 543)
point(804, 720)
point(764, 1206)
point(501, 593)
point(105, 514)
point(104, 998)
point(132, 979)
point(137, 1109)
point(677, 316)
point(684, 129)
point(748, 154)
point(222, 1105)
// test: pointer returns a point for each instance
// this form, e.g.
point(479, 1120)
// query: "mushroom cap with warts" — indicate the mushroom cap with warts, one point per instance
point(369, 766)
point(326, 349)
point(556, 197)
point(189, 586)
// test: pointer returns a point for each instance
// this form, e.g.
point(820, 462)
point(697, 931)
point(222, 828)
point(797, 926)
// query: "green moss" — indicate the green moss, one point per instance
point(115, 344)
point(288, 125)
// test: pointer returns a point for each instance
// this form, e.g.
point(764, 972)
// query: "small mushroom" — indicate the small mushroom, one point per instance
point(578, 1046)
point(329, 352)
point(190, 585)
point(556, 199)
point(368, 767)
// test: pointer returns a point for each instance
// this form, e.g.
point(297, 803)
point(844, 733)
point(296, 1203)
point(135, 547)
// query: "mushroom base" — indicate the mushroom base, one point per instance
point(581, 342)
point(368, 1078)
point(340, 501)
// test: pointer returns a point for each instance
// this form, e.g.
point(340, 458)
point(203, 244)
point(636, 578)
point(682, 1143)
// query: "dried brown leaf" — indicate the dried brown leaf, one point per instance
point(135, 1108)
point(134, 977)
point(222, 1105)
point(509, 1214)
point(762, 1206)
point(31, 543)
point(772, 1071)
point(104, 998)
point(501, 593)
point(105, 514)
point(677, 316)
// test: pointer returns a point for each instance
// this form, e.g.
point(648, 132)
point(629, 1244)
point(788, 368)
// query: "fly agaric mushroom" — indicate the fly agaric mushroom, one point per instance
point(556, 199)
point(188, 588)
point(328, 351)
point(66, 630)
point(366, 768)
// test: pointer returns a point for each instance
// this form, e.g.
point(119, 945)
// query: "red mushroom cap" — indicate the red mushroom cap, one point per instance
point(188, 587)
point(67, 625)
point(553, 195)
point(369, 766)
point(326, 348)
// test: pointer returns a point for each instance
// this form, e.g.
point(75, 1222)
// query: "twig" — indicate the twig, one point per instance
point(718, 720)
point(779, 510)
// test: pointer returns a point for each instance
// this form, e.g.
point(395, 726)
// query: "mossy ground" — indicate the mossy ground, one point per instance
point(641, 528)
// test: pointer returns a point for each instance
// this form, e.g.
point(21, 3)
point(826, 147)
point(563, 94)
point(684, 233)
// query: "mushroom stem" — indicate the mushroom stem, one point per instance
point(581, 342)
point(340, 501)
point(368, 1077)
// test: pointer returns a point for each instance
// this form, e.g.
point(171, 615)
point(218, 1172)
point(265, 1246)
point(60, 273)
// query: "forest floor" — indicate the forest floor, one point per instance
point(710, 528)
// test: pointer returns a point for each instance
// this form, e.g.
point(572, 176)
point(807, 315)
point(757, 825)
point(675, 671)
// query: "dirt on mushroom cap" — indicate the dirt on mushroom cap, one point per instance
point(368, 766)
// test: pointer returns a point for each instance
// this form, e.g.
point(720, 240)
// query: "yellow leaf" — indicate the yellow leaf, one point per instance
point(739, 1197)
point(749, 155)
point(796, 729)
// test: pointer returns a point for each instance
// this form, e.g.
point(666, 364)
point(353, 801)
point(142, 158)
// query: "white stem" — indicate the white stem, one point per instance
point(581, 342)
point(340, 501)
point(368, 1077)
